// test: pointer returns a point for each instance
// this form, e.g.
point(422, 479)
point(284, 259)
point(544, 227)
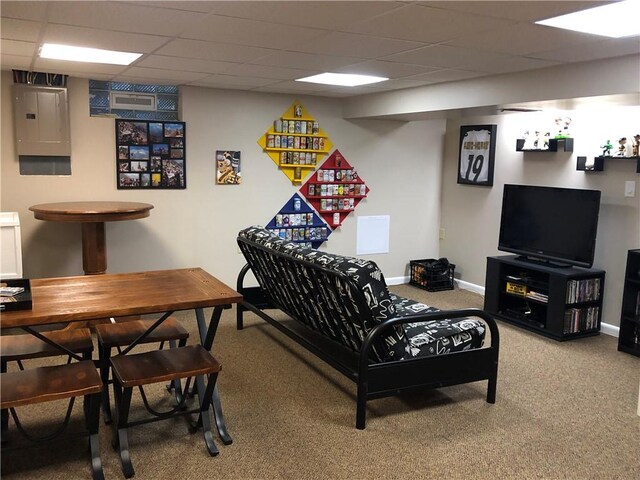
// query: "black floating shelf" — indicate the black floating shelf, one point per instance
point(596, 166)
point(555, 145)
point(598, 163)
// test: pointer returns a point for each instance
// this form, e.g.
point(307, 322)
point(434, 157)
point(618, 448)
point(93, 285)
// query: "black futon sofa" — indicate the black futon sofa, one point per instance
point(342, 311)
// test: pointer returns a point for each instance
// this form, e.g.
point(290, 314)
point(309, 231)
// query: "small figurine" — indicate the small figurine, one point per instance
point(622, 148)
point(297, 111)
point(563, 125)
point(528, 141)
point(547, 136)
point(606, 149)
point(537, 144)
point(635, 149)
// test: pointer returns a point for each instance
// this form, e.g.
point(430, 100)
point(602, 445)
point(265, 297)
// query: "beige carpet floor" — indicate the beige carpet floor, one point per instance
point(564, 411)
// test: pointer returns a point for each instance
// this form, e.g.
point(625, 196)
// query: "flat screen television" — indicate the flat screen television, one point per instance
point(550, 224)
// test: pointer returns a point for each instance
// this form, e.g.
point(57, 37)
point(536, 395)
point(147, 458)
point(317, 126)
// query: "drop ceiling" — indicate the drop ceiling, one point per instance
point(264, 46)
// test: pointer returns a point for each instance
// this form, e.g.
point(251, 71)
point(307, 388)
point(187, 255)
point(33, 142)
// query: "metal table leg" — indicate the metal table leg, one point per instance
point(207, 335)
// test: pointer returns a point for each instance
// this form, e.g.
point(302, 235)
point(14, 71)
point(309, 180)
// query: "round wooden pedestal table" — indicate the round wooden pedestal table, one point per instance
point(92, 216)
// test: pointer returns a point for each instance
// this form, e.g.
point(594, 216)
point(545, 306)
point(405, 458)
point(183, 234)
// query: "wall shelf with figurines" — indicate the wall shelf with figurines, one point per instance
point(625, 152)
point(539, 139)
point(335, 189)
point(547, 145)
point(297, 222)
point(296, 143)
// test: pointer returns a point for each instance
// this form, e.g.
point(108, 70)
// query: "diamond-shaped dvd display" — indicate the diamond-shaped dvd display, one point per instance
point(335, 189)
point(296, 221)
point(296, 143)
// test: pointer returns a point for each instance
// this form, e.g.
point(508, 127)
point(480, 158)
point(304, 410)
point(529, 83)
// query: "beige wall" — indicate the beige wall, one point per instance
point(401, 163)
point(471, 214)
point(410, 168)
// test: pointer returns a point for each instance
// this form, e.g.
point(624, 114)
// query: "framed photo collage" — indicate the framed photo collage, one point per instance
point(150, 154)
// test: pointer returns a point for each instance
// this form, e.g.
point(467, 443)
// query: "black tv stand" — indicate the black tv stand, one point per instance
point(560, 303)
point(540, 261)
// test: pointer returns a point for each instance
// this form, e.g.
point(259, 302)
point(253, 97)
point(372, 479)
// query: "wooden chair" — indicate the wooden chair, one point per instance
point(44, 384)
point(118, 335)
point(17, 348)
point(160, 366)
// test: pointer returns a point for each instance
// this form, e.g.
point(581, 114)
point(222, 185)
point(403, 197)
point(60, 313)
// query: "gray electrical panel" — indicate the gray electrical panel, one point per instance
point(41, 120)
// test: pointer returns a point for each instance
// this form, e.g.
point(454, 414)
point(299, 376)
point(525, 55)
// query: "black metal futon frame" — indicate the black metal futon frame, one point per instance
point(374, 378)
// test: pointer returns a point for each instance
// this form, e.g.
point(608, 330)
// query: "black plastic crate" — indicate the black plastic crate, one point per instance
point(431, 274)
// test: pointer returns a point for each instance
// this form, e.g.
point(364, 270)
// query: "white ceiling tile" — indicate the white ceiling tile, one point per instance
point(448, 75)
point(23, 30)
point(91, 37)
point(185, 64)
point(145, 80)
point(522, 39)
point(94, 76)
point(321, 63)
point(270, 71)
point(429, 25)
point(24, 10)
point(516, 10)
point(198, 6)
point(223, 52)
point(232, 81)
point(397, 84)
point(465, 59)
point(615, 47)
point(354, 45)
point(317, 14)
point(17, 62)
point(434, 56)
point(156, 73)
point(13, 47)
point(383, 68)
point(508, 64)
point(295, 87)
point(67, 68)
point(123, 17)
point(249, 32)
point(226, 87)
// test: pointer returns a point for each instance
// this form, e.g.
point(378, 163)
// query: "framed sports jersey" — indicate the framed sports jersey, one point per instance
point(477, 154)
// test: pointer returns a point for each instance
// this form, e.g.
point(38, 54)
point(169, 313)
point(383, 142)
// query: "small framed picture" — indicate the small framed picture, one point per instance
point(131, 133)
point(123, 152)
point(228, 167)
point(175, 130)
point(477, 154)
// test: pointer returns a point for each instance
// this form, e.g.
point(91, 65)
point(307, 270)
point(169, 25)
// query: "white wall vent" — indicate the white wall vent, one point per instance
point(133, 101)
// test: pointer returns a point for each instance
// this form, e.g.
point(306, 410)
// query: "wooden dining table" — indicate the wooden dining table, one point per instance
point(92, 216)
point(159, 293)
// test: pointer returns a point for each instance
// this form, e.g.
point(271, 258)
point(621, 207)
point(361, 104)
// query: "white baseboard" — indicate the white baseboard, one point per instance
point(396, 280)
point(469, 286)
point(612, 330)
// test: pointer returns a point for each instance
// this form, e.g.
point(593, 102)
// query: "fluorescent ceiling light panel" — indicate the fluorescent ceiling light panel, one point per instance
point(342, 79)
point(621, 19)
point(90, 55)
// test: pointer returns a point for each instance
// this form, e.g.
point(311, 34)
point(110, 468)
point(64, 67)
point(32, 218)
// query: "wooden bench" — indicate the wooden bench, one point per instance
point(117, 335)
point(136, 370)
point(44, 384)
point(16, 348)
point(26, 346)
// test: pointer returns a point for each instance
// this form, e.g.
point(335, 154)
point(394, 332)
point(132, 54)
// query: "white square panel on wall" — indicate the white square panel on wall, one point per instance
point(373, 235)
